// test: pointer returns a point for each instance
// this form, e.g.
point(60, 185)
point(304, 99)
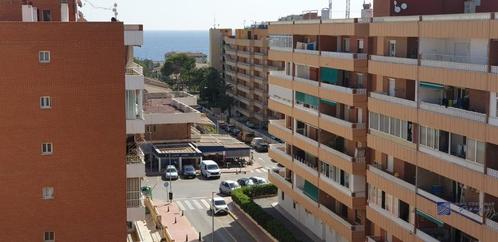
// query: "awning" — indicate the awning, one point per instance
point(431, 85)
point(330, 103)
point(430, 218)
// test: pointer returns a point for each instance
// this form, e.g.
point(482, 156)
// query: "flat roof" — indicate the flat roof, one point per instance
point(160, 105)
point(226, 141)
point(184, 148)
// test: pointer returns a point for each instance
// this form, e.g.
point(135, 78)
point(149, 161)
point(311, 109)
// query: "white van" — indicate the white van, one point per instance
point(210, 169)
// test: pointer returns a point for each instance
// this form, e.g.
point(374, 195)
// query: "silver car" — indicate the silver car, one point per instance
point(226, 187)
point(171, 173)
point(219, 205)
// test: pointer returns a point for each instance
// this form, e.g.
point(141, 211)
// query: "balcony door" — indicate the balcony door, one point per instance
point(392, 48)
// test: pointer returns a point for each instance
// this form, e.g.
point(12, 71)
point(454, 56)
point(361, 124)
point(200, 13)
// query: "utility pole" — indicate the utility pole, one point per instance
point(212, 216)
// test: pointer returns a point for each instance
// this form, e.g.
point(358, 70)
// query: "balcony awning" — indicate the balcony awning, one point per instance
point(329, 75)
point(328, 102)
point(431, 85)
point(311, 191)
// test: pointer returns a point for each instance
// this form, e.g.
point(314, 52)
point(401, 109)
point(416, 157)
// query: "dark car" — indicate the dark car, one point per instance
point(243, 182)
point(188, 171)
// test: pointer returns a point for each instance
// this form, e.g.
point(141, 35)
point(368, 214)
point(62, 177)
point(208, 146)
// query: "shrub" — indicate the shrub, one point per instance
point(243, 197)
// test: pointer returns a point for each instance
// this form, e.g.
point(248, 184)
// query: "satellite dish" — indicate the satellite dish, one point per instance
point(404, 6)
point(397, 9)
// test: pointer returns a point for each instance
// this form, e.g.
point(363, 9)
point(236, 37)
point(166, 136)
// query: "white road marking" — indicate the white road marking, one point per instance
point(260, 158)
point(206, 204)
point(251, 171)
point(188, 204)
point(180, 205)
point(197, 204)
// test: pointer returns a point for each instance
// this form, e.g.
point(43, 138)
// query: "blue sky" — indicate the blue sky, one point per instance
point(200, 14)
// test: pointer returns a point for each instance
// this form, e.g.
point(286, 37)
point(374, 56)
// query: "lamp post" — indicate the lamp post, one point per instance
point(212, 216)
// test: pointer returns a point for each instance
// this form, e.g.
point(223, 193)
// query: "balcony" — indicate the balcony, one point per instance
point(278, 129)
point(399, 26)
point(243, 65)
point(280, 181)
point(134, 78)
point(491, 181)
point(343, 128)
point(306, 85)
point(135, 164)
point(306, 144)
point(306, 57)
point(230, 40)
point(280, 54)
point(133, 35)
point(343, 27)
point(231, 51)
point(169, 111)
point(135, 126)
point(307, 115)
point(231, 73)
point(342, 193)
point(344, 61)
point(259, 43)
point(135, 208)
point(392, 224)
point(397, 67)
point(281, 79)
point(259, 67)
point(393, 106)
point(244, 88)
point(454, 112)
point(392, 145)
point(391, 184)
point(342, 160)
point(280, 105)
point(456, 26)
point(231, 63)
point(356, 97)
point(347, 230)
point(242, 99)
point(459, 218)
point(244, 77)
point(244, 42)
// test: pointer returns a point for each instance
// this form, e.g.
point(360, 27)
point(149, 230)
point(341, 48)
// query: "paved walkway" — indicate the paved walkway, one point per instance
point(181, 229)
point(288, 221)
point(247, 224)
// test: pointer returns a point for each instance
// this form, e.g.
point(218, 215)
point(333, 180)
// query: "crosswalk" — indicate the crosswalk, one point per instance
point(194, 204)
point(259, 170)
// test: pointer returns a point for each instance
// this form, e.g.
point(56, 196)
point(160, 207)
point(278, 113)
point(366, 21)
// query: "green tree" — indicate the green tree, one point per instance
point(176, 70)
point(213, 89)
point(148, 66)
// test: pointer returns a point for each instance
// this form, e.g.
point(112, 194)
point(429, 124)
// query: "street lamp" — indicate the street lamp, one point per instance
point(212, 216)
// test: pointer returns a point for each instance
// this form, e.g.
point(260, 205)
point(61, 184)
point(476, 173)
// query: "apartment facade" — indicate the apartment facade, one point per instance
point(64, 165)
point(390, 124)
point(246, 67)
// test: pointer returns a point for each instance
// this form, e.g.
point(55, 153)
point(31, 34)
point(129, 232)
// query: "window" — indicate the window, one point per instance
point(46, 15)
point(49, 237)
point(361, 48)
point(47, 148)
point(374, 120)
point(345, 45)
point(44, 56)
point(45, 102)
point(392, 48)
point(48, 193)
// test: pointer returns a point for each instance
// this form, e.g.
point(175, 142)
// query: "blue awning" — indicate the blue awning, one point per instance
point(431, 85)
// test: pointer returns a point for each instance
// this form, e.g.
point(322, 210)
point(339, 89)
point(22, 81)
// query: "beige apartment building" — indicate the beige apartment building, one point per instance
point(245, 69)
point(390, 124)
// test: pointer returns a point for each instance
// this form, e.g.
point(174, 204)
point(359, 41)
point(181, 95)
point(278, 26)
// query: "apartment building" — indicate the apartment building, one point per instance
point(390, 122)
point(246, 72)
point(216, 44)
point(65, 172)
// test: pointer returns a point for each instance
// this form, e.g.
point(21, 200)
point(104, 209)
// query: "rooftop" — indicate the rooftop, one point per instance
point(185, 148)
point(221, 140)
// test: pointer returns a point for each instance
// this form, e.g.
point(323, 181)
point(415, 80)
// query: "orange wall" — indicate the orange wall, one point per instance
point(169, 132)
point(86, 124)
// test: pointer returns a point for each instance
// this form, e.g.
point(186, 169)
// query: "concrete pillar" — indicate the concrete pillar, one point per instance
point(180, 165)
point(492, 104)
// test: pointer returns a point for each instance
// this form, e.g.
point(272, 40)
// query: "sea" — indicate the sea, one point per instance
point(157, 43)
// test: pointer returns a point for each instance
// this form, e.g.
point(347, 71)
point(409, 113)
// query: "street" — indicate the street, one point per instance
point(194, 197)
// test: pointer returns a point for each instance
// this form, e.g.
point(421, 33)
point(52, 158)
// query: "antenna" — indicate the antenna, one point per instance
point(330, 9)
point(348, 8)
point(115, 10)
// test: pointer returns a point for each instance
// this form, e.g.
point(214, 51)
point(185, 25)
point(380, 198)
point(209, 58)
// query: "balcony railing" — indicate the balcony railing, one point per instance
point(134, 199)
point(396, 19)
point(306, 81)
point(391, 178)
point(281, 74)
point(306, 139)
point(310, 111)
point(395, 60)
point(134, 69)
point(391, 99)
point(135, 156)
point(454, 208)
point(453, 159)
point(283, 49)
point(492, 172)
point(343, 156)
point(280, 178)
point(455, 112)
point(306, 166)
point(459, 17)
point(338, 218)
point(453, 62)
point(425, 237)
point(406, 225)
point(309, 52)
point(348, 90)
point(345, 55)
point(341, 122)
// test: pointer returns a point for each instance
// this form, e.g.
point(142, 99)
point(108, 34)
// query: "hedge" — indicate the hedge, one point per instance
point(243, 197)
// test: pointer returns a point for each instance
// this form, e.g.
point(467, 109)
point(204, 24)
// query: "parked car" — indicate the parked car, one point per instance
point(251, 125)
point(247, 137)
point(244, 182)
point(235, 132)
point(189, 171)
point(258, 180)
point(210, 169)
point(222, 125)
point(229, 128)
point(218, 205)
point(171, 173)
point(226, 187)
point(259, 144)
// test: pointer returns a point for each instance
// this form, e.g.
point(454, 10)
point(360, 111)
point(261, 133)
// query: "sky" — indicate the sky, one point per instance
point(201, 14)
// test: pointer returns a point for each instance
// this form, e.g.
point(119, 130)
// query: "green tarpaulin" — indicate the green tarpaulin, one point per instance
point(329, 75)
point(311, 191)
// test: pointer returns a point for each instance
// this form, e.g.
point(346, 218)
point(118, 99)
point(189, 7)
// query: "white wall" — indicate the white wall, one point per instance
point(476, 50)
point(357, 183)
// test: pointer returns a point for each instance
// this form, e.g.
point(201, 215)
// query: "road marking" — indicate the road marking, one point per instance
point(188, 204)
point(260, 158)
point(180, 205)
point(206, 204)
point(197, 204)
point(264, 170)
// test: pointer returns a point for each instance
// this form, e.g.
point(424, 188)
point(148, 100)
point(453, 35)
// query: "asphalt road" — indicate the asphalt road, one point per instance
point(193, 196)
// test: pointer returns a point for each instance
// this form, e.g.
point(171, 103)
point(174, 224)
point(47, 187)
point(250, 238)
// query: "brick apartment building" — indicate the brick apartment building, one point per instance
point(390, 124)
point(65, 133)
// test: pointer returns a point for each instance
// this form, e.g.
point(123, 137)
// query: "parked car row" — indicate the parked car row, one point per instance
point(209, 169)
point(226, 187)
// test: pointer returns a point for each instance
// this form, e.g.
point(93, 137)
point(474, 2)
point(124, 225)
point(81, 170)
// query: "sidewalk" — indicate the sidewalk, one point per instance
point(245, 169)
point(182, 228)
